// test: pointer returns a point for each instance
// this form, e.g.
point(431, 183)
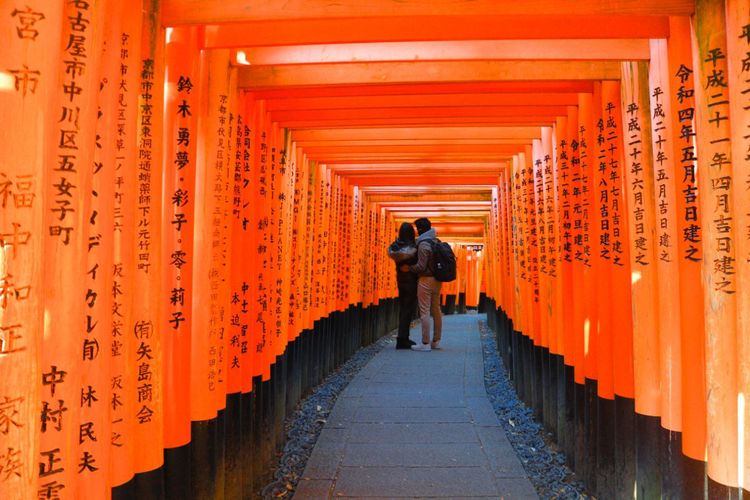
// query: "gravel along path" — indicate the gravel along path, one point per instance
point(303, 427)
point(541, 460)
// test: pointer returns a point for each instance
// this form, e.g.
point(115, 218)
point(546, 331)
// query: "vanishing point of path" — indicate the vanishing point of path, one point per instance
point(414, 424)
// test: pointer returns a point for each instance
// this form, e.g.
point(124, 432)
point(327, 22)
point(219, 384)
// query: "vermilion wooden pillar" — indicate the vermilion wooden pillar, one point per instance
point(95, 421)
point(642, 241)
point(689, 245)
point(122, 343)
point(67, 184)
point(719, 225)
point(30, 50)
point(738, 47)
point(148, 236)
point(586, 431)
point(183, 96)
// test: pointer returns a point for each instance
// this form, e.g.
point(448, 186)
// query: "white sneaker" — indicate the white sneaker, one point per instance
point(421, 347)
point(436, 345)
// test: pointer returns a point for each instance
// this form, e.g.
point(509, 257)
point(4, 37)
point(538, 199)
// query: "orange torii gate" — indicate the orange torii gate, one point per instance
point(190, 243)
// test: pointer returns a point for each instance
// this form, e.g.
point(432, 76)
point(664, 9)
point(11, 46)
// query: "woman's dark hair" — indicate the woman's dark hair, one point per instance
point(406, 232)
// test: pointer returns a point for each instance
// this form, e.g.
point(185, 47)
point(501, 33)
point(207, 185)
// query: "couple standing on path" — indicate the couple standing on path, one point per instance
point(415, 276)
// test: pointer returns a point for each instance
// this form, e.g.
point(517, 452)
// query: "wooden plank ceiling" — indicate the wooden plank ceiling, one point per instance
point(423, 103)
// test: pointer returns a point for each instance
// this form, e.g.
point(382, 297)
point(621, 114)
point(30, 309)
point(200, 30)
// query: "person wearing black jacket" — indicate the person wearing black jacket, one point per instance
point(403, 251)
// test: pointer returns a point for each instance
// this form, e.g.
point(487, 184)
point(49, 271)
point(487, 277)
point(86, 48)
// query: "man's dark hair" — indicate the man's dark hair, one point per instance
point(423, 225)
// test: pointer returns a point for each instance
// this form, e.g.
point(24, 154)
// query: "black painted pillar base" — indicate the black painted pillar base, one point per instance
point(557, 387)
point(461, 308)
point(566, 416)
point(718, 491)
point(483, 304)
point(648, 469)
point(544, 377)
point(625, 459)
point(605, 448)
point(590, 420)
point(537, 380)
point(177, 478)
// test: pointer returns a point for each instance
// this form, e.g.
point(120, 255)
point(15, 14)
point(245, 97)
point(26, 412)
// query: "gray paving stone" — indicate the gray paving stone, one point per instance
point(492, 435)
point(313, 488)
point(503, 460)
point(420, 498)
point(417, 425)
point(409, 386)
point(412, 415)
point(333, 434)
point(419, 398)
point(323, 463)
point(341, 416)
point(414, 481)
point(414, 455)
point(515, 489)
point(413, 433)
point(484, 417)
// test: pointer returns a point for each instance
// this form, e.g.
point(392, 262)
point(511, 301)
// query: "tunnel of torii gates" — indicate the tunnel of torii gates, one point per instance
point(196, 197)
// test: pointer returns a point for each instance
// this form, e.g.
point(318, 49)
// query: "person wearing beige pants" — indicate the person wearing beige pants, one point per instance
point(428, 288)
point(428, 296)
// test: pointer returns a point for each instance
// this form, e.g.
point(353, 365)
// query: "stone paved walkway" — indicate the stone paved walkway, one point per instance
point(414, 424)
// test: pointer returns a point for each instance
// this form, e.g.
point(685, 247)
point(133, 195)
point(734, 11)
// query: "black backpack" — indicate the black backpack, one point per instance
point(443, 261)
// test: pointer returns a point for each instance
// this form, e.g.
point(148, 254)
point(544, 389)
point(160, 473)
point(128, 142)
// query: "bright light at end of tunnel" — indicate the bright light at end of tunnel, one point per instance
point(586, 330)
point(242, 58)
point(635, 277)
point(7, 82)
point(169, 34)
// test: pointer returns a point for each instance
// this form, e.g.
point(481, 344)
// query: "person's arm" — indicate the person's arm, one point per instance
point(424, 253)
point(401, 254)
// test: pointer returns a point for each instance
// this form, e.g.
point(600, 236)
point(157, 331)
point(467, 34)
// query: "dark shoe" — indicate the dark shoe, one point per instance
point(404, 343)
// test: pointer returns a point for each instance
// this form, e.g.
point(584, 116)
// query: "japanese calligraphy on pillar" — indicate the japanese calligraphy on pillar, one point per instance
point(220, 163)
point(147, 330)
point(738, 46)
point(180, 202)
point(738, 54)
point(662, 166)
point(94, 423)
point(603, 191)
point(309, 186)
point(123, 266)
point(566, 215)
point(70, 174)
point(244, 217)
point(540, 210)
point(549, 215)
point(532, 229)
point(281, 250)
point(177, 255)
point(31, 43)
point(638, 189)
point(145, 165)
point(688, 185)
point(240, 282)
point(261, 250)
point(612, 143)
point(65, 180)
point(718, 157)
point(717, 190)
point(578, 199)
point(585, 206)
